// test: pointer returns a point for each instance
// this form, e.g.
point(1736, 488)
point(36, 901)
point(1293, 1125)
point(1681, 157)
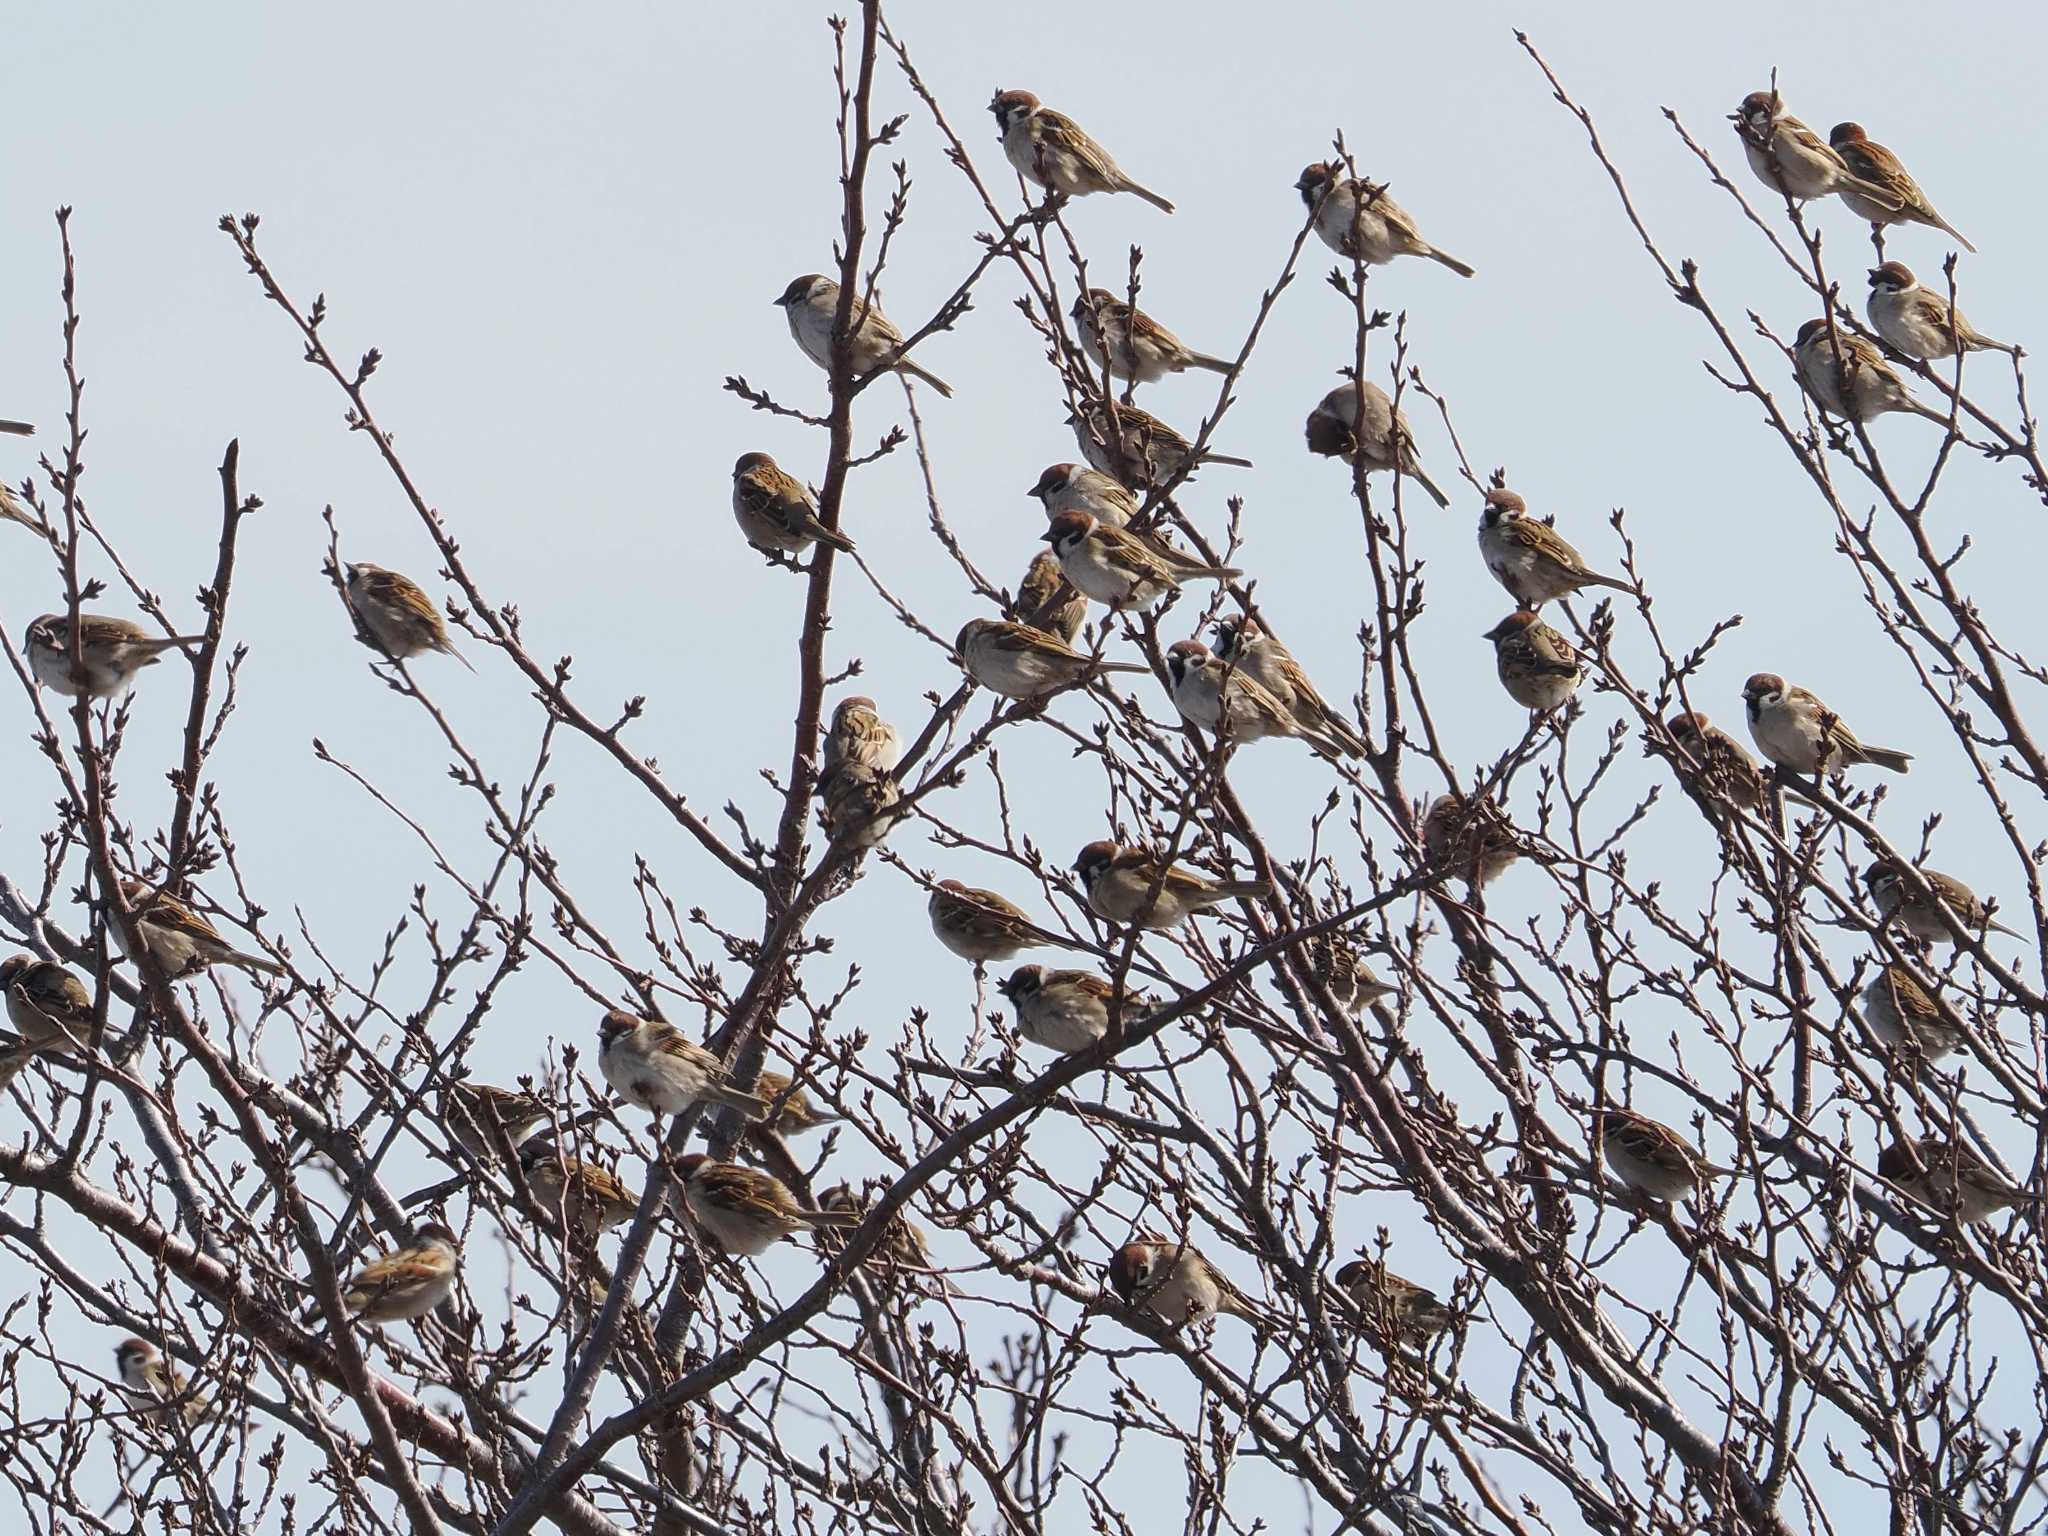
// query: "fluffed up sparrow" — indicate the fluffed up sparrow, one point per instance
point(1921, 915)
point(1401, 1309)
point(746, 1210)
point(588, 1198)
point(859, 734)
point(1651, 1158)
point(475, 1113)
point(407, 1283)
point(1211, 693)
point(1795, 730)
point(1048, 149)
point(112, 652)
point(1064, 1011)
point(791, 1111)
point(1119, 882)
point(50, 1009)
point(1020, 662)
point(399, 619)
point(1243, 643)
point(1538, 667)
point(652, 1066)
point(1334, 961)
point(154, 1386)
point(1720, 764)
point(1904, 1015)
point(903, 1252)
point(1529, 557)
point(860, 804)
point(1121, 568)
point(1904, 202)
point(1474, 842)
point(1078, 488)
point(1790, 157)
point(1950, 1177)
point(1356, 218)
point(1874, 386)
point(1139, 348)
point(1916, 320)
point(1142, 450)
point(1047, 601)
point(774, 509)
point(178, 939)
point(1176, 1283)
point(980, 925)
point(1336, 431)
point(812, 301)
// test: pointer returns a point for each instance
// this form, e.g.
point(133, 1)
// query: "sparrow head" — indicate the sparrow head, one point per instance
point(615, 1025)
point(12, 969)
point(1184, 657)
point(1330, 433)
point(1068, 531)
point(955, 886)
point(1011, 105)
point(1057, 478)
point(1135, 1267)
point(1893, 276)
point(969, 633)
point(1236, 634)
point(46, 633)
point(436, 1232)
point(1812, 330)
point(1899, 1162)
point(136, 894)
point(1758, 110)
point(354, 572)
point(1314, 181)
point(1687, 727)
point(1094, 860)
point(132, 1358)
point(1091, 304)
point(687, 1168)
point(1023, 982)
point(802, 288)
point(747, 463)
point(853, 703)
point(1762, 692)
point(1882, 878)
point(1511, 626)
point(1502, 506)
point(1847, 133)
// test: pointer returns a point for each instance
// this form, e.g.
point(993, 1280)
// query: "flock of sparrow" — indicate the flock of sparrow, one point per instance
point(1247, 688)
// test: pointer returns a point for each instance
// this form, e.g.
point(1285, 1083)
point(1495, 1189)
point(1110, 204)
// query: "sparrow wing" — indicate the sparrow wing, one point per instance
point(1057, 129)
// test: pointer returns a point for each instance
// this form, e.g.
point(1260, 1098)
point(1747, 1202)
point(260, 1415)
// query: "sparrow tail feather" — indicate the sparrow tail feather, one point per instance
point(1120, 666)
point(751, 1105)
point(1459, 267)
point(1213, 364)
point(1155, 199)
point(1887, 757)
point(27, 429)
point(1436, 494)
point(1225, 458)
point(1246, 890)
point(937, 383)
point(834, 1218)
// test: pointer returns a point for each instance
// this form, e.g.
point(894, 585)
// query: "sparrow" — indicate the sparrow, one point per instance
point(1173, 1281)
point(475, 1112)
point(903, 1249)
point(1119, 882)
point(1357, 219)
point(1335, 962)
point(1916, 320)
point(653, 1067)
point(1147, 453)
point(113, 651)
point(1242, 643)
point(1140, 349)
point(589, 1198)
point(746, 1210)
point(1538, 667)
point(1077, 488)
point(1722, 763)
point(1334, 432)
point(1409, 1312)
point(1921, 915)
point(1476, 843)
point(775, 511)
point(178, 939)
point(50, 1009)
point(811, 302)
point(860, 804)
point(153, 1385)
point(1789, 157)
point(790, 1110)
point(1024, 663)
point(1529, 557)
point(406, 1283)
point(1046, 601)
point(1064, 1011)
point(1903, 202)
point(1048, 149)
point(1795, 730)
point(981, 926)
point(1211, 693)
point(1875, 387)
point(1904, 1015)
point(398, 617)
point(1950, 1177)
point(1121, 568)
point(859, 734)
point(1651, 1158)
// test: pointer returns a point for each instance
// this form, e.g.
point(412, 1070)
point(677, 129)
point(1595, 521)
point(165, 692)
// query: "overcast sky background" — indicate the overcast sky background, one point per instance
point(565, 227)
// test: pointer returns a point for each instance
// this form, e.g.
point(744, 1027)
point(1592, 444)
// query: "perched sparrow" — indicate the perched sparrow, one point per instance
point(1904, 1015)
point(790, 1110)
point(1048, 149)
point(1046, 601)
point(474, 1113)
point(407, 1283)
point(1529, 557)
point(859, 734)
point(1211, 693)
point(1539, 667)
point(1916, 320)
point(179, 939)
point(153, 1385)
point(903, 1251)
point(1903, 203)
point(1475, 842)
point(1176, 1283)
point(1789, 157)
point(1356, 218)
point(812, 301)
point(1121, 568)
point(1140, 348)
point(399, 618)
point(1950, 1177)
point(1335, 962)
point(50, 1009)
point(589, 1198)
point(1651, 1158)
point(746, 1210)
point(1020, 662)
point(860, 804)
point(1409, 1312)
point(1077, 488)
point(652, 1066)
point(1147, 451)
point(1921, 915)
point(1119, 882)
point(980, 925)
point(1795, 730)
point(113, 651)
point(1064, 1011)
point(1243, 644)
point(1722, 763)
point(775, 511)
point(1874, 386)
point(1336, 432)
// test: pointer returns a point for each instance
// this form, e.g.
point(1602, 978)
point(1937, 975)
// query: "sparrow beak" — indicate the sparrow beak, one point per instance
point(1873, 274)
